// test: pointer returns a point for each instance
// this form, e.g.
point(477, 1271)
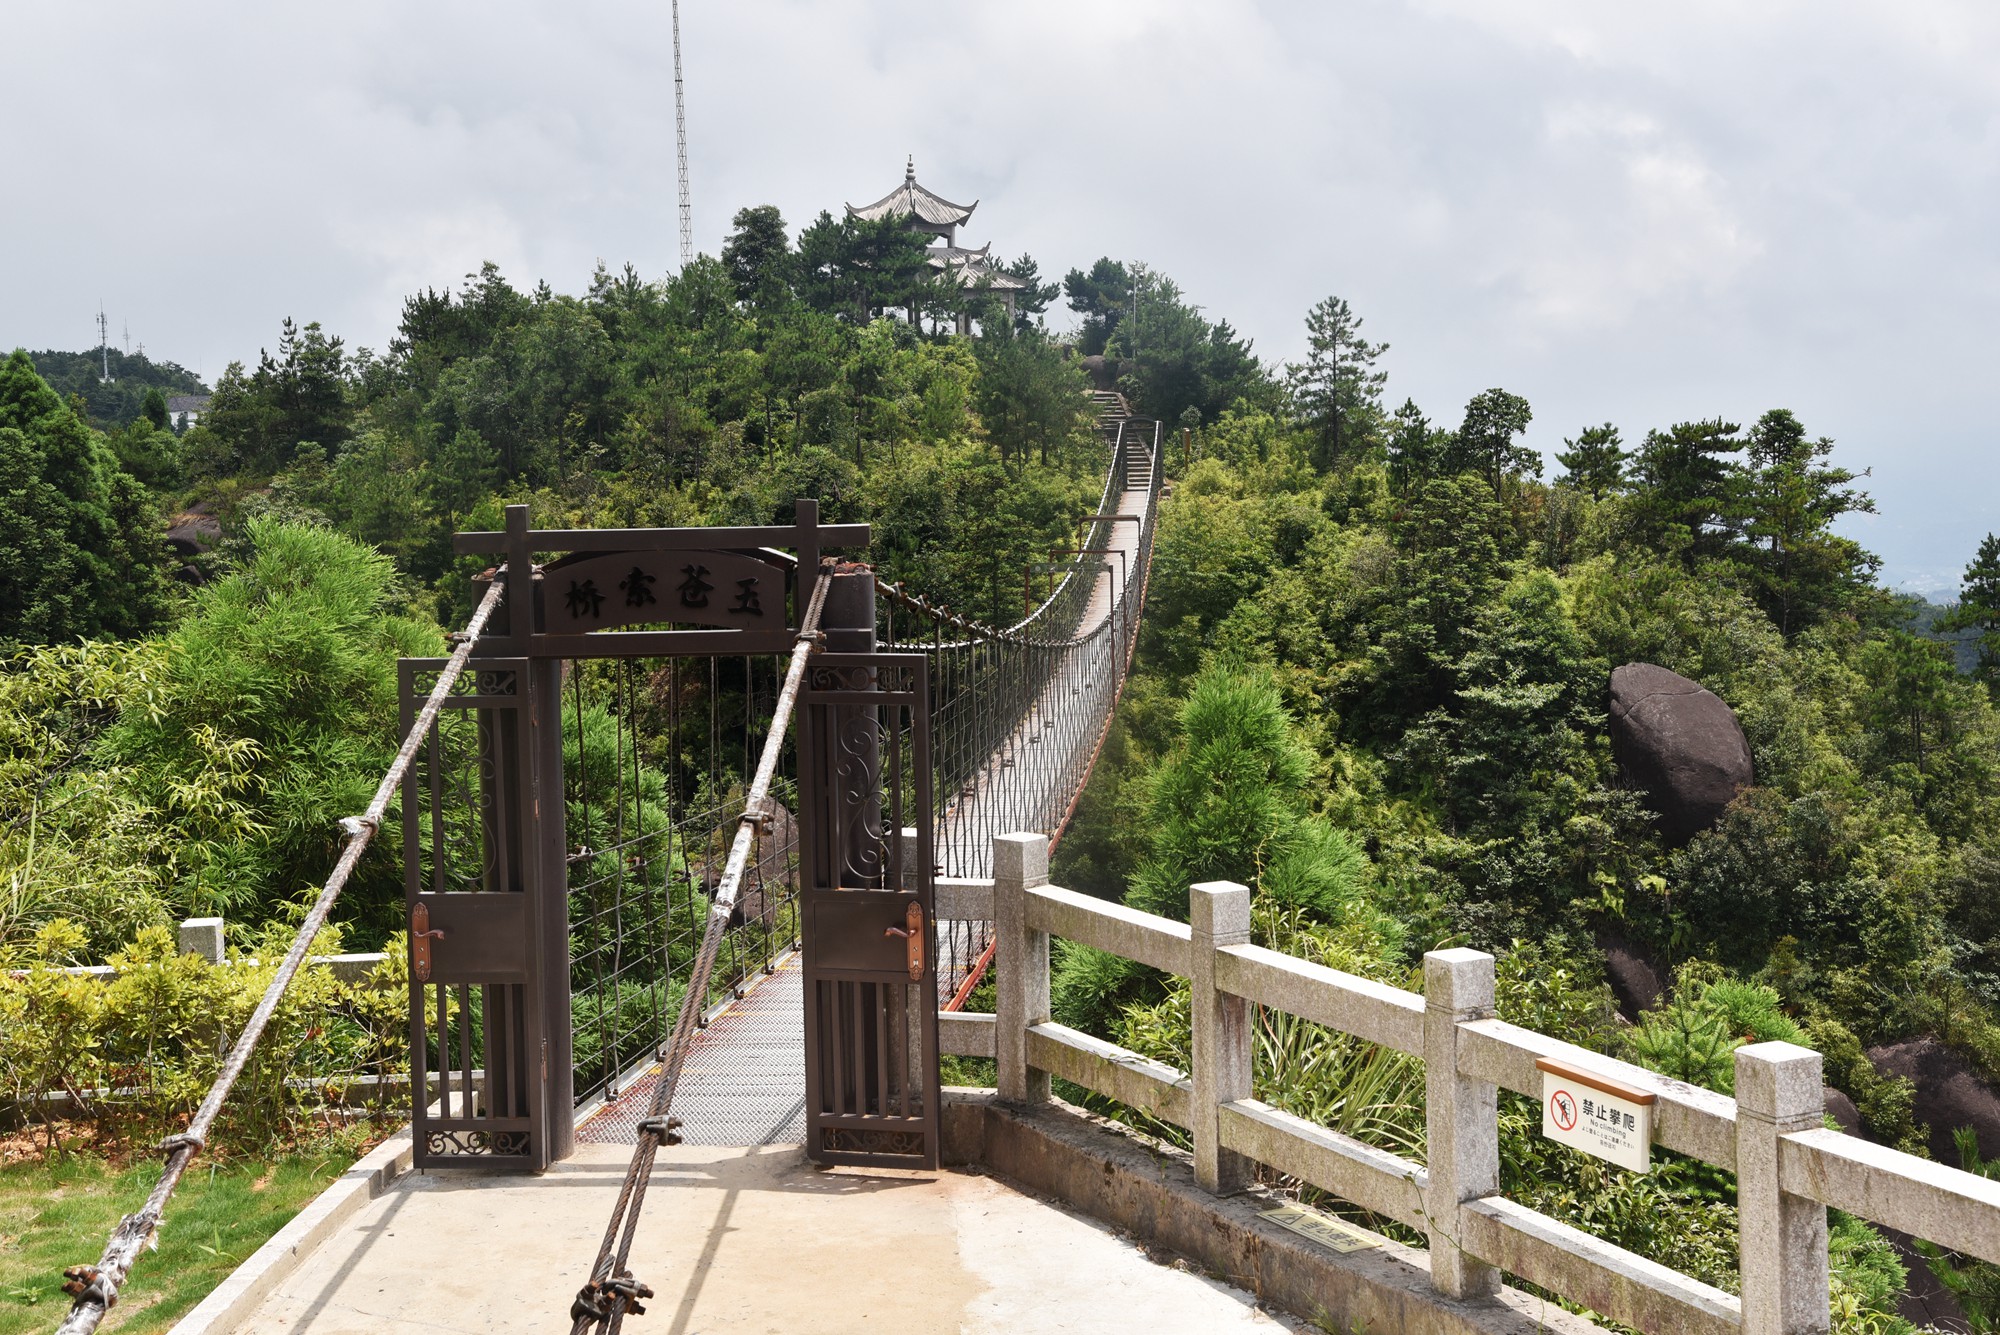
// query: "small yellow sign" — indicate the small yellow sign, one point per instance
point(1324, 1229)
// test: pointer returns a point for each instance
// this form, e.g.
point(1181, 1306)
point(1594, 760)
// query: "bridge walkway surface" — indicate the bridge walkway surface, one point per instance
point(747, 1240)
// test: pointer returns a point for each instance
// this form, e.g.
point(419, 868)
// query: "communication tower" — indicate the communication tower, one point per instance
point(104, 342)
point(681, 143)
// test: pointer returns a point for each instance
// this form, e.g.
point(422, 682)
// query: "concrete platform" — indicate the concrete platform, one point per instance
point(738, 1240)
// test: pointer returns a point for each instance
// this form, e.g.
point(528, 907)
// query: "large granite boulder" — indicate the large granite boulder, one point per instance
point(1949, 1094)
point(1675, 739)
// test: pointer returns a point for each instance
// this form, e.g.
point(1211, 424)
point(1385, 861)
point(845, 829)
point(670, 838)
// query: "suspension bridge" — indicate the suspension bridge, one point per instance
point(710, 838)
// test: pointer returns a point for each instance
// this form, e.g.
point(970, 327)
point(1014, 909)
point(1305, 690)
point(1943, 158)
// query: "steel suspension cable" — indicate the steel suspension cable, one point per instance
point(95, 1288)
point(612, 1291)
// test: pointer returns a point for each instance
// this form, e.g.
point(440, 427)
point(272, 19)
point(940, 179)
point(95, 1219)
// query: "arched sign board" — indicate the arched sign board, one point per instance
point(686, 591)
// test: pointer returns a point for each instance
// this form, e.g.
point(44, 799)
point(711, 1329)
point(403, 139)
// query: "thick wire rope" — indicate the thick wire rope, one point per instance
point(611, 1290)
point(95, 1288)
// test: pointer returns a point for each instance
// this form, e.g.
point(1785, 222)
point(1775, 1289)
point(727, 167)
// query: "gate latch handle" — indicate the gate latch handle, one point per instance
point(913, 939)
point(421, 936)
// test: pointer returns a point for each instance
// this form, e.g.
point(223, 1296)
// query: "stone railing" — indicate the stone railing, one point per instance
point(1788, 1167)
point(203, 937)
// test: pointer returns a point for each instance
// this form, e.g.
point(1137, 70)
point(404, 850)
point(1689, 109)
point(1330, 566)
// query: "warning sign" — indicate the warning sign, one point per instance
point(1596, 1114)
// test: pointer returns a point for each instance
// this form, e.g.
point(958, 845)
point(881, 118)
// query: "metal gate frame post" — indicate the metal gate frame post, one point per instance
point(548, 859)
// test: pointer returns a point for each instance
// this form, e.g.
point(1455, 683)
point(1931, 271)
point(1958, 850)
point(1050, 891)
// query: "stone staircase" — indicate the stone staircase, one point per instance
point(1114, 414)
point(1138, 453)
point(1111, 410)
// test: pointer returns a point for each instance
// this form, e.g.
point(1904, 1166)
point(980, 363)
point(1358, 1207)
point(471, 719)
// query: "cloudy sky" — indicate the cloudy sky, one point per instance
point(1635, 214)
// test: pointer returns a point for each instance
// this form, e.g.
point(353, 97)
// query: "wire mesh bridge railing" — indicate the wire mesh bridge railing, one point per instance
point(1018, 714)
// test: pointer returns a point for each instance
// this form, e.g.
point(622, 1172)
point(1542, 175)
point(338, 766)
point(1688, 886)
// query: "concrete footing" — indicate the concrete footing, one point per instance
point(1149, 1191)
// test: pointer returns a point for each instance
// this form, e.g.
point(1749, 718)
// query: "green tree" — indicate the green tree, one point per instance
point(1978, 608)
point(854, 268)
point(277, 712)
point(153, 409)
point(1687, 486)
point(1337, 391)
point(1485, 443)
point(1102, 298)
point(758, 255)
point(1033, 299)
point(1448, 569)
point(1790, 501)
point(1910, 698)
point(79, 539)
point(306, 382)
point(1595, 462)
point(1029, 396)
point(1418, 452)
point(1174, 358)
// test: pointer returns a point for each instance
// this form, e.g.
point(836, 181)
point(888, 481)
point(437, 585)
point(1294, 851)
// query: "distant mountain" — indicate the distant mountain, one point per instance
point(132, 374)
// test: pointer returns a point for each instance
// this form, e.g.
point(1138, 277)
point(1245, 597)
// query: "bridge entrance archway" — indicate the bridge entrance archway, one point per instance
point(489, 861)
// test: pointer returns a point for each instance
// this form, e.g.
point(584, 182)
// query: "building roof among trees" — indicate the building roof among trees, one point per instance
point(909, 198)
point(976, 266)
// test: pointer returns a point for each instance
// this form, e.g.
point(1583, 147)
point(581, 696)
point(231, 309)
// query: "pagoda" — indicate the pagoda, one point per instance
point(939, 218)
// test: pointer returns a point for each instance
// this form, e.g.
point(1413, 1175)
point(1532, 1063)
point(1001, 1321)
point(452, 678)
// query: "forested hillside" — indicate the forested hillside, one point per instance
point(1372, 681)
point(114, 403)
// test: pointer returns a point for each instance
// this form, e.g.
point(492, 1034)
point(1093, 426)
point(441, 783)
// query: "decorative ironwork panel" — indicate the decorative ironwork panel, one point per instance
point(475, 1034)
point(870, 938)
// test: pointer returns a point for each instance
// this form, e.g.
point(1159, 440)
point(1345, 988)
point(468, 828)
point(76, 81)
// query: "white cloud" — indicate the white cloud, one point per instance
point(1626, 212)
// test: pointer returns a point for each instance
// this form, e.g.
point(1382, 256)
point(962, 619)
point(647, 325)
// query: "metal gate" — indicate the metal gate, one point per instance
point(488, 862)
point(476, 887)
point(870, 939)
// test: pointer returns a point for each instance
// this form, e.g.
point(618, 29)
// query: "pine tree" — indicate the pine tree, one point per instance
point(1790, 500)
point(1595, 461)
point(1337, 392)
point(1979, 609)
point(1485, 442)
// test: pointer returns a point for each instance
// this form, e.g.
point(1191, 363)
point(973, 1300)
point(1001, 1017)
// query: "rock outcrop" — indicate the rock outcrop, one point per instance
point(1949, 1094)
point(1679, 742)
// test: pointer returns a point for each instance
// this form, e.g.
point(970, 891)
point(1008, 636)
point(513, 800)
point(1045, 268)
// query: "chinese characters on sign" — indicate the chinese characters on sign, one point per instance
point(695, 589)
point(638, 588)
point(1597, 1115)
point(584, 599)
point(700, 588)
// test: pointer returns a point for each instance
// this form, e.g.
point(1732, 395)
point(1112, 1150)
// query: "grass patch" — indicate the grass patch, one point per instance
point(57, 1212)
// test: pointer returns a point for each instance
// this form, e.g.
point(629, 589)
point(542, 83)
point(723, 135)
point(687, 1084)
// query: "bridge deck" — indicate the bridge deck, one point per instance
point(745, 1078)
point(1010, 790)
point(742, 1240)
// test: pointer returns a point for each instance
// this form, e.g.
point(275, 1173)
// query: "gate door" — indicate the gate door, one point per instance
point(476, 1030)
point(870, 943)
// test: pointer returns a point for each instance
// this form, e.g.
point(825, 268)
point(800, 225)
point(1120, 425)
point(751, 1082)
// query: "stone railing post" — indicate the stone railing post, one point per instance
point(1781, 1237)
point(1219, 913)
point(1462, 1118)
point(1021, 962)
point(203, 937)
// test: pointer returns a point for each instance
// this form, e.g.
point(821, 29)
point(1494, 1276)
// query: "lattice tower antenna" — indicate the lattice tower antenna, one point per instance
point(104, 342)
point(681, 143)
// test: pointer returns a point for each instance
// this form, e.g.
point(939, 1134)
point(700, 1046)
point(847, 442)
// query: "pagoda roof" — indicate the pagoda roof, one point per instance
point(910, 198)
point(976, 265)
